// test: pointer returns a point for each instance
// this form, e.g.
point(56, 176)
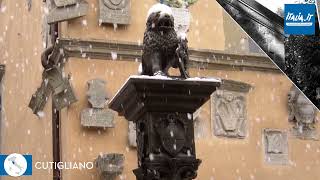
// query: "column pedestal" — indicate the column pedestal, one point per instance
point(162, 109)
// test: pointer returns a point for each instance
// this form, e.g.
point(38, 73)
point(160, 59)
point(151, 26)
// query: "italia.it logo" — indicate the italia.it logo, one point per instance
point(300, 19)
point(15, 165)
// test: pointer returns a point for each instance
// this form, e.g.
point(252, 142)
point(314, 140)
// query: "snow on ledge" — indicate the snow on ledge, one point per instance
point(159, 77)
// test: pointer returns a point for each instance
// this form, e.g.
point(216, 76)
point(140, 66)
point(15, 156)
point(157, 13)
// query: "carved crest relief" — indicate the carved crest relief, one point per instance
point(229, 111)
point(302, 114)
point(114, 11)
point(172, 134)
point(275, 146)
point(115, 4)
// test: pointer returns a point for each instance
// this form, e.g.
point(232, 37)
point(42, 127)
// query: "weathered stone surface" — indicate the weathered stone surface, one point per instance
point(101, 118)
point(61, 3)
point(114, 11)
point(181, 19)
point(110, 165)
point(229, 113)
point(178, 3)
point(54, 79)
point(132, 134)
point(40, 98)
point(64, 98)
point(97, 96)
point(65, 13)
point(275, 146)
point(302, 114)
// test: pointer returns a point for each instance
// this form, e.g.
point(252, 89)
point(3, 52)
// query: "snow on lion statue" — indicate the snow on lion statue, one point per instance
point(163, 48)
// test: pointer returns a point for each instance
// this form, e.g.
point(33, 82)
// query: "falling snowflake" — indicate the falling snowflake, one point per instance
point(114, 55)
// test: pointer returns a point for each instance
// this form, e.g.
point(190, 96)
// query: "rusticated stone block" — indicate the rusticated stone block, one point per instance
point(102, 118)
point(110, 165)
point(275, 146)
point(114, 11)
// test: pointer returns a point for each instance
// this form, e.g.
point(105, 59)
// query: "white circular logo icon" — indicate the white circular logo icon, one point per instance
point(15, 165)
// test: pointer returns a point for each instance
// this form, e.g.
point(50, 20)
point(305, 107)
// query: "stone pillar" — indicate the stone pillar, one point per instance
point(162, 109)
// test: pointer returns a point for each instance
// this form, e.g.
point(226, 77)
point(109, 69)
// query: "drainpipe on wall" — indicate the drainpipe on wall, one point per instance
point(2, 71)
point(54, 30)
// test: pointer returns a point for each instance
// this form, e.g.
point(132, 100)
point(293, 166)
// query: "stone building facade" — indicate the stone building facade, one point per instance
point(243, 132)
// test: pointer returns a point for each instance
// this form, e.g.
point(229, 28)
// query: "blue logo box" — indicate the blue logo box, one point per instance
point(299, 19)
point(28, 171)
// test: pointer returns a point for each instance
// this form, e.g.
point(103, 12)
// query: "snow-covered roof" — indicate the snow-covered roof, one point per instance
point(162, 8)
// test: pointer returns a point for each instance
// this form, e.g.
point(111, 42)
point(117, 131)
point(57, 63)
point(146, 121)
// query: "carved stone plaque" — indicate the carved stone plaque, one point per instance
point(114, 11)
point(110, 165)
point(97, 96)
point(229, 111)
point(61, 3)
point(102, 118)
point(181, 19)
point(275, 146)
point(65, 13)
point(302, 114)
point(132, 134)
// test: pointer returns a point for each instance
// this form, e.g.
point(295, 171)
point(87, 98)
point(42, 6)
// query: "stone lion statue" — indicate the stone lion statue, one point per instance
point(162, 47)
